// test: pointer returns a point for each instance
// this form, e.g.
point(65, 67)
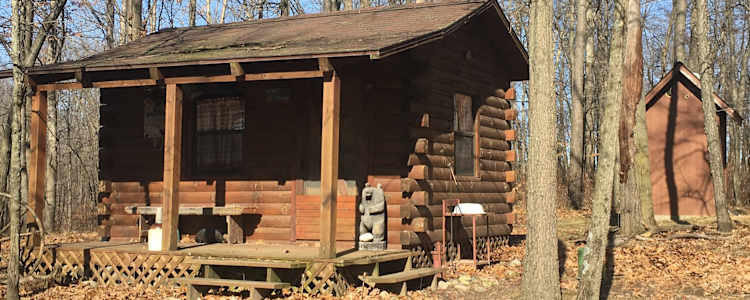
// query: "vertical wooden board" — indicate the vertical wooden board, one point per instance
point(172, 162)
point(38, 158)
point(329, 164)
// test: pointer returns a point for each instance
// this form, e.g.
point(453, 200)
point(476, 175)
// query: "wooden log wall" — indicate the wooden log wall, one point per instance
point(270, 202)
point(461, 63)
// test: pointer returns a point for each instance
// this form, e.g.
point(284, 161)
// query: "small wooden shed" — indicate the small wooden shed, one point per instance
point(678, 148)
point(268, 130)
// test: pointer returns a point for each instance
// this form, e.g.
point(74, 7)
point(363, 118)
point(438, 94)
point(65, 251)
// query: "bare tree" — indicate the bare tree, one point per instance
point(540, 276)
point(25, 49)
point(679, 13)
point(575, 185)
point(598, 233)
point(709, 115)
point(632, 89)
point(192, 5)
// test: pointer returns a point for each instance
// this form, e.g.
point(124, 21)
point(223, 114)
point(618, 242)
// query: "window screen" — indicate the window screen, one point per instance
point(463, 127)
point(220, 129)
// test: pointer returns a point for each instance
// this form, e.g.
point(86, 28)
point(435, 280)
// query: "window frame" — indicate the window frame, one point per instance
point(471, 134)
point(234, 169)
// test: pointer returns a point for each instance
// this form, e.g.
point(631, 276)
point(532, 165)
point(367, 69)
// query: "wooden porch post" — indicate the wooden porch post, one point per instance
point(329, 163)
point(37, 161)
point(172, 160)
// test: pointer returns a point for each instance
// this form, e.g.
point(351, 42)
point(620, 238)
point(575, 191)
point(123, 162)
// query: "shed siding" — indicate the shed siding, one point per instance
point(678, 151)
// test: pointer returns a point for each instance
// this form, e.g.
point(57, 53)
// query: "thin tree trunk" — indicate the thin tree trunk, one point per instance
point(124, 21)
point(630, 213)
point(135, 23)
point(729, 74)
point(598, 234)
point(208, 12)
point(364, 3)
point(575, 184)
point(284, 8)
point(223, 11)
point(642, 167)
point(590, 107)
point(51, 174)
point(679, 11)
point(540, 276)
point(709, 115)
point(693, 60)
point(14, 183)
point(110, 30)
point(191, 12)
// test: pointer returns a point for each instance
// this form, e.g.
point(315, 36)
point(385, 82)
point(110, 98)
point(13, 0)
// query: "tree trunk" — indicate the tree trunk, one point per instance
point(110, 29)
point(364, 3)
point(630, 213)
point(50, 206)
point(284, 8)
point(575, 184)
point(135, 20)
point(679, 12)
point(598, 234)
point(693, 60)
point(14, 182)
point(735, 128)
point(540, 276)
point(642, 166)
point(709, 115)
point(191, 12)
point(592, 87)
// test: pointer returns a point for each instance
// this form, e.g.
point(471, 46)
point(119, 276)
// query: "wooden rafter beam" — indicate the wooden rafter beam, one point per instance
point(181, 80)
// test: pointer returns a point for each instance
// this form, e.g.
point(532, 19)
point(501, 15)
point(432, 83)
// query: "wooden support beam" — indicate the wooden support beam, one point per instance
point(155, 74)
point(181, 80)
point(329, 164)
point(83, 78)
point(172, 162)
point(236, 69)
point(38, 159)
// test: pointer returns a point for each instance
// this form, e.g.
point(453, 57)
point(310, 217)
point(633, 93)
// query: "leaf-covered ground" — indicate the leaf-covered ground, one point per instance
point(697, 263)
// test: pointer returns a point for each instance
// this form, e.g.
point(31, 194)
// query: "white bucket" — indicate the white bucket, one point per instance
point(154, 238)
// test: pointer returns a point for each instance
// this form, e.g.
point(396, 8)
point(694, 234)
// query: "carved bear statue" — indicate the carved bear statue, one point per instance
point(372, 208)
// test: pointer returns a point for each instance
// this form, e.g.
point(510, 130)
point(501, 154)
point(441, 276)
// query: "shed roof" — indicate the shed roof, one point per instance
point(374, 32)
point(692, 82)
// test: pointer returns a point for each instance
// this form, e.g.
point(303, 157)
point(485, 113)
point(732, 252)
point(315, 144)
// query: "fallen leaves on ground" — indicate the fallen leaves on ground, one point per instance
point(653, 267)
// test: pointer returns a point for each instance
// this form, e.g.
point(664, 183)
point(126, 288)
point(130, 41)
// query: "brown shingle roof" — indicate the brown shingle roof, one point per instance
point(376, 32)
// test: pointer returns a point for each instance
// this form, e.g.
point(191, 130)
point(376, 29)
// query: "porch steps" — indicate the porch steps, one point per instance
point(258, 289)
point(402, 276)
point(400, 279)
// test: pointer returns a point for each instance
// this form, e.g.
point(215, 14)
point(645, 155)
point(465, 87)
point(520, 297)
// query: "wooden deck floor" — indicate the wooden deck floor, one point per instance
point(302, 252)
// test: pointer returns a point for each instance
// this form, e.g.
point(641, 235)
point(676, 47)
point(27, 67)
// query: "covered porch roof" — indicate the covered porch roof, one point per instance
point(374, 32)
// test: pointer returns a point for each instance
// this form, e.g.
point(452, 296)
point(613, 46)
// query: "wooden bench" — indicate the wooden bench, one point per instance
point(258, 289)
point(235, 232)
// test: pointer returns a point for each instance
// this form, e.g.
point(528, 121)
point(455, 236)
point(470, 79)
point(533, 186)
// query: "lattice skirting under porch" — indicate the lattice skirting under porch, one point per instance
point(107, 267)
point(423, 257)
point(152, 269)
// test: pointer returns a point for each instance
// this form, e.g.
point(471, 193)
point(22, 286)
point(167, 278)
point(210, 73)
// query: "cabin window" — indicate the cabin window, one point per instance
point(220, 129)
point(463, 128)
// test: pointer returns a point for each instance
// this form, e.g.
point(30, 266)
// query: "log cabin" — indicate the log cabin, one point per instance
point(267, 130)
point(678, 148)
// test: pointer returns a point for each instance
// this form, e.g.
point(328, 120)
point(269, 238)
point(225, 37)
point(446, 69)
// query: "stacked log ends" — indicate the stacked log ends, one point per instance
point(509, 94)
point(103, 210)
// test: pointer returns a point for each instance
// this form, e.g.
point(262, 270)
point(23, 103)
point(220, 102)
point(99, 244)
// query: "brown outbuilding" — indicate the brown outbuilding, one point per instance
point(678, 148)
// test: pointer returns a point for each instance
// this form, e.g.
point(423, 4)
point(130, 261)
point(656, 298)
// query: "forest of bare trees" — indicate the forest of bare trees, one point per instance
point(603, 57)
